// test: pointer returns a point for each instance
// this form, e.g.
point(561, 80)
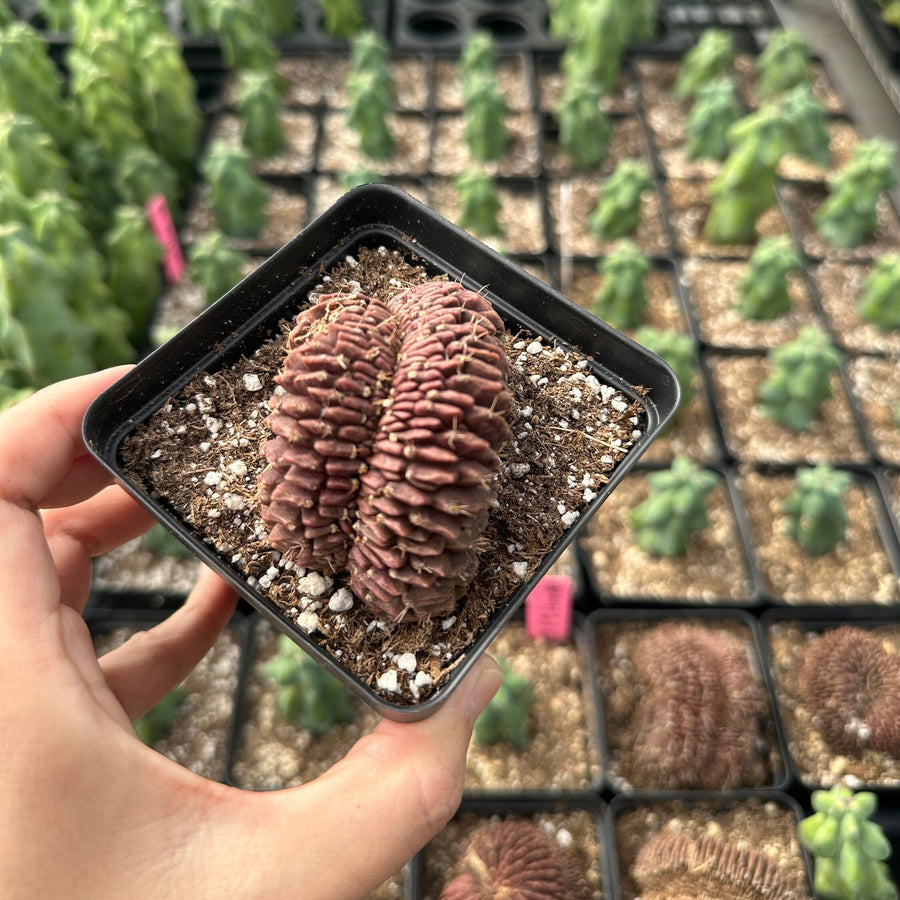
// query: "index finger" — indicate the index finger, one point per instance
point(43, 460)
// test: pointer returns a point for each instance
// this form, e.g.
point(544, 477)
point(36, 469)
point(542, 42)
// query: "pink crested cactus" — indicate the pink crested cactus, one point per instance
point(387, 425)
point(514, 859)
point(852, 685)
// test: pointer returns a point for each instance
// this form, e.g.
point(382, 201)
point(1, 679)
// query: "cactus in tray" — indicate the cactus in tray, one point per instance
point(505, 720)
point(584, 128)
point(675, 510)
point(800, 379)
point(709, 59)
point(214, 265)
point(486, 110)
point(157, 724)
point(478, 58)
point(370, 92)
point(621, 298)
point(618, 209)
point(238, 196)
point(342, 18)
point(848, 848)
point(245, 45)
point(816, 518)
point(880, 300)
point(515, 858)
point(713, 113)
point(161, 541)
point(29, 160)
point(807, 120)
point(848, 216)
point(479, 203)
point(763, 291)
point(851, 681)
point(678, 351)
point(783, 64)
point(307, 695)
point(259, 105)
point(140, 173)
point(597, 45)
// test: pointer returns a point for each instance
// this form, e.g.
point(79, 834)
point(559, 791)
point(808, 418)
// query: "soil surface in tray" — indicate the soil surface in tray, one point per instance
point(574, 829)
point(200, 453)
point(817, 764)
point(756, 826)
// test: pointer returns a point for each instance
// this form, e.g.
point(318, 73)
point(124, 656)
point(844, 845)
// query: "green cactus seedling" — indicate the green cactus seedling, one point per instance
point(597, 46)
point(157, 724)
point(161, 541)
point(214, 265)
point(848, 217)
point(880, 301)
point(800, 379)
point(259, 105)
point(849, 849)
point(710, 58)
point(806, 119)
point(622, 298)
point(783, 64)
point(342, 18)
point(370, 90)
point(713, 113)
point(238, 195)
point(478, 59)
point(816, 518)
point(480, 205)
point(584, 128)
point(618, 209)
point(308, 695)
point(678, 351)
point(505, 720)
point(245, 45)
point(486, 110)
point(675, 510)
point(763, 291)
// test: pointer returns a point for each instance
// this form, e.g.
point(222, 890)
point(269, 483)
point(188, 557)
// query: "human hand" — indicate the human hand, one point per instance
point(86, 810)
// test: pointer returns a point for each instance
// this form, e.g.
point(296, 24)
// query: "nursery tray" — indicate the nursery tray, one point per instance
point(237, 324)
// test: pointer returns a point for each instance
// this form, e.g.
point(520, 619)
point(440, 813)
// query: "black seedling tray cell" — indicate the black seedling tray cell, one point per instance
point(249, 313)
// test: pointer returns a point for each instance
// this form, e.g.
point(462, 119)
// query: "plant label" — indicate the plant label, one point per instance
point(164, 229)
point(548, 608)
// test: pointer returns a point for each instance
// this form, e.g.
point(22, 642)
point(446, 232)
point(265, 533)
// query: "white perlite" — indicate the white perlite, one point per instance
point(308, 621)
point(341, 600)
point(423, 679)
point(520, 568)
point(406, 662)
point(252, 382)
point(389, 681)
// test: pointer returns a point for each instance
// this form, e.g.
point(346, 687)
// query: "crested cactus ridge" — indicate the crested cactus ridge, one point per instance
point(387, 424)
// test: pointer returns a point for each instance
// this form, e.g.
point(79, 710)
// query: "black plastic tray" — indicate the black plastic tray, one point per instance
point(250, 312)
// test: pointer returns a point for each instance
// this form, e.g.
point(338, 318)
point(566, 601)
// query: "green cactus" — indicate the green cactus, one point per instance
point(678, 351)
point(157, 724)
point(806, 119)
point(238, 196)
point(505, 720)
point(675, 510)
point(621, 298)
point(486, 110)
point(161, 541)
point(308, 695)
point(849, 849)
point(783, 64)
point(259, 105)
point(214, 265)
point(134, 257)
point(370, 90)
point(848, 217)
point(598, 42)
point(763, 291)
point(800, 379)
point(244, 44)
point(140, 173)
point(816, 518)
point(713, 113)
point(584, 128)
point(478, 59)
point(361, 175)
point(480, 204)
point(29, 160)
point(880, 301)
point(618, 209)
point(710, 58)
point(342, 18)
point(642, 19)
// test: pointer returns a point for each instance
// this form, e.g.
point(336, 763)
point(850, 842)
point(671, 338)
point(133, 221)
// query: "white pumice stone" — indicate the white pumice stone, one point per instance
point(341, 600)
point(406, 662)
point(389, 681)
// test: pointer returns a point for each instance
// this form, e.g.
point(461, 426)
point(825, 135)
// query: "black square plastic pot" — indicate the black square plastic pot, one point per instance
point(250, 313)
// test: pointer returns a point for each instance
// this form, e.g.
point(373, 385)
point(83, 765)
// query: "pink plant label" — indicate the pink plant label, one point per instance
point(164, 229)
point(548, 608)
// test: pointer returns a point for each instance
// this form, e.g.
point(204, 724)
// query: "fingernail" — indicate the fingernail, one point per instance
point(485, 682)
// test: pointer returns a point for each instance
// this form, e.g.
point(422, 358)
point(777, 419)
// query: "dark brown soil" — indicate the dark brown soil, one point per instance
point(766, 827)
point(816, 763)
point(200, 453)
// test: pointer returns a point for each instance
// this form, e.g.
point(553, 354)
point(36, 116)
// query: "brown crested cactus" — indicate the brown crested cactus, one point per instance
point(673, 864)
point(514, 859)
point(697, 723)
point(851, 683)
point(387, 430)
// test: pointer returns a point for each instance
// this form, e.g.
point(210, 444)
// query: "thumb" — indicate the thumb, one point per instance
point(395, 790)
